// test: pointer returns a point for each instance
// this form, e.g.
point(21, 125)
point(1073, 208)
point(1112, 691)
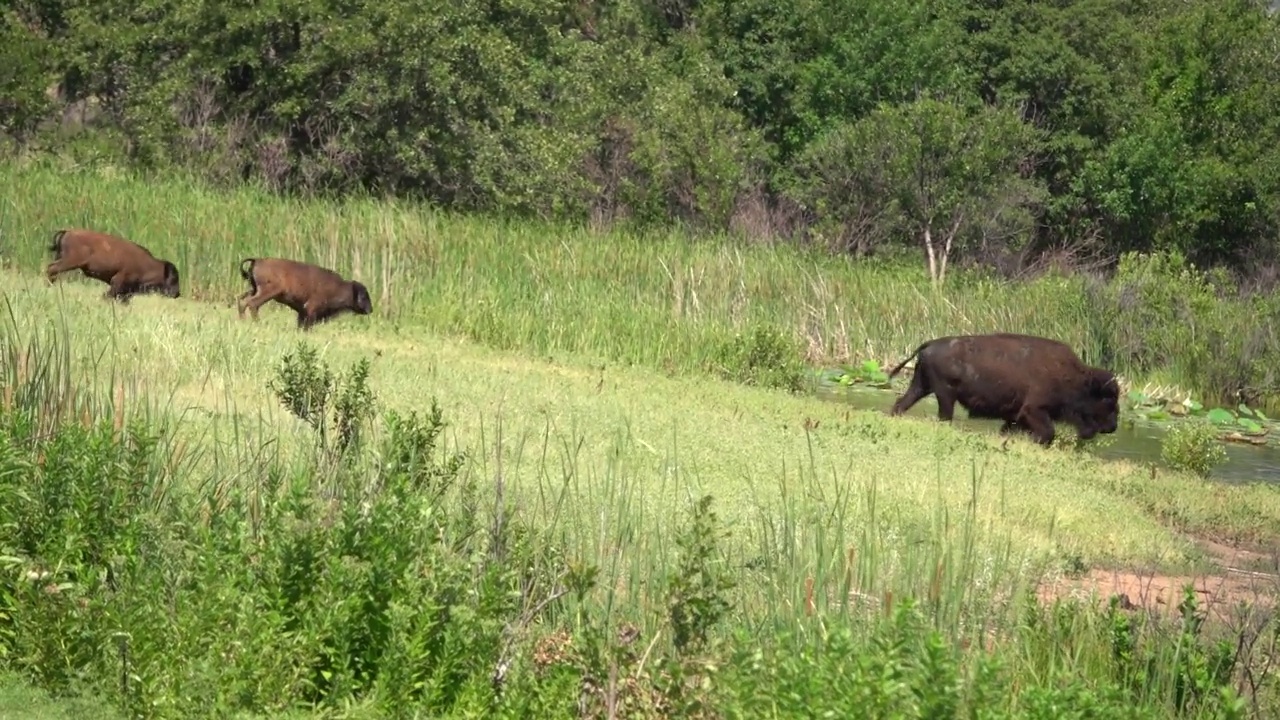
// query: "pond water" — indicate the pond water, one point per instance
point(1138, 442)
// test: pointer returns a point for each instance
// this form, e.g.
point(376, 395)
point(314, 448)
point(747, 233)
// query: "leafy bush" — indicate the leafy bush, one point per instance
point(765, 357)
point(1193, 445)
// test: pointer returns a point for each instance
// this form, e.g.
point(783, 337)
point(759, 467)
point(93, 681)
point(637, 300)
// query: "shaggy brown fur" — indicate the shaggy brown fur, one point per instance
point(127, 267)
point(1029, 382)
point(315, 293)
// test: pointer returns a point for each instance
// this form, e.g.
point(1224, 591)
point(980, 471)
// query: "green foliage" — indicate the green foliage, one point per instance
point(1164, 311)
point(131, 574)
point(763, 357)
point(255, 596)
point(336, 407)
point(936, 170)
point(1026, 126)
point(868, 372)
point(24, 75)
point(1192, 446)
point(697, 587)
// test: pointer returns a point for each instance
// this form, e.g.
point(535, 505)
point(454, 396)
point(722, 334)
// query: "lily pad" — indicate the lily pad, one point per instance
point(1251, 426)
point(1219, 416)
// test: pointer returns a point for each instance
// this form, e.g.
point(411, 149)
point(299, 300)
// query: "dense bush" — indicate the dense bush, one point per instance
point(990, 130)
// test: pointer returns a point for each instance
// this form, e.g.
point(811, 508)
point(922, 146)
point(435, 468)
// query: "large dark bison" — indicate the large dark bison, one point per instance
point(315, 293)
point(1029, 382)
point(127, 267)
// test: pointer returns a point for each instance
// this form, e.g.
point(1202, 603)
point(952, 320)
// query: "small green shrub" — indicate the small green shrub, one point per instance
point(1193, 446)
point(765, 357)
point(337, 406)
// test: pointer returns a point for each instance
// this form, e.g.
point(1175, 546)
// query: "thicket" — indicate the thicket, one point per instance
point(971, 130)
point(379, 576)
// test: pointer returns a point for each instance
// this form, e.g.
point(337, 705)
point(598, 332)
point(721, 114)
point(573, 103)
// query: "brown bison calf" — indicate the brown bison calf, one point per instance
point(1027, 381)
point(315, 293)
point(127, 267)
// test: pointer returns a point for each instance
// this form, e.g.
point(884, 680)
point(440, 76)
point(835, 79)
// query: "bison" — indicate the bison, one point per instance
point(1028, 382)
point(127, 267)
point(315, 293)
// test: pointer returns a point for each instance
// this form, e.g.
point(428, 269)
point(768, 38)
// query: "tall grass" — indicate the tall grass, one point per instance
point(663, 301)
point(400, 574)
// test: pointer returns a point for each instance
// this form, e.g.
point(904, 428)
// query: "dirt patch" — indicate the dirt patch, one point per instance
point(1237, 579)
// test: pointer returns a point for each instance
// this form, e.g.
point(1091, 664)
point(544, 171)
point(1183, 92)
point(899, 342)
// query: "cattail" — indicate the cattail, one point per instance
point(808, 596)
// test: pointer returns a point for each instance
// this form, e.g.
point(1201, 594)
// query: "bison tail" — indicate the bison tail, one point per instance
point(906, 360)
point(56, 246)
point(246, 268)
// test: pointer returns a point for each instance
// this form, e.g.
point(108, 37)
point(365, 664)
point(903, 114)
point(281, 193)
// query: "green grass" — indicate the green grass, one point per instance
point(19, 701)
point(602, 464)
point(553, 358)
point(662, 301)
point(668, 438)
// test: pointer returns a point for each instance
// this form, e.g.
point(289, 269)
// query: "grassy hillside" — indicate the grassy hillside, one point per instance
point(815, 504)
point(645, 442)
point(660, 301)
point(255, 583)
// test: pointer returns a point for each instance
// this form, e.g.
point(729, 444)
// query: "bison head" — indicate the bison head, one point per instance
point(169, 285)
point(1099, 410)
point(360, 301)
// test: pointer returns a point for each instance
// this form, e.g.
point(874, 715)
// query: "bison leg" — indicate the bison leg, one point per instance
point(240, 301)
point(946, 398)
point(121, 289)
point(263, 296)
point(918, 388)
point(1038, 423)
point(307, 317)
point(58, 267)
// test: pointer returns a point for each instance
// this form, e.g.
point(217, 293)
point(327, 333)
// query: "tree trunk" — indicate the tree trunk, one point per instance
point(946, 248)
point(931, 254)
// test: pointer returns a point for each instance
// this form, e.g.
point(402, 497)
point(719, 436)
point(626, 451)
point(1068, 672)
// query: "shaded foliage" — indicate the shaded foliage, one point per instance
point(1129, 125)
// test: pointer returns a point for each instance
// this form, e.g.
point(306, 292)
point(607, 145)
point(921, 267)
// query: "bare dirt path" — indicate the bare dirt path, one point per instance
point(1240, 576)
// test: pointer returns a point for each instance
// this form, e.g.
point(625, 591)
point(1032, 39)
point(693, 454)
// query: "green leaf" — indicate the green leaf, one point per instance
point(1219, 416)
point(1250, 425)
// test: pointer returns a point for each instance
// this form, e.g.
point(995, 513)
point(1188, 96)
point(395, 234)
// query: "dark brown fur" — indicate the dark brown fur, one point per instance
point(128, 268)
point(315, 293)
point(1029, 382)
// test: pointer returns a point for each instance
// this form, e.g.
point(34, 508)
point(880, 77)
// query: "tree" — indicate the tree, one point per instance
point(937, 170)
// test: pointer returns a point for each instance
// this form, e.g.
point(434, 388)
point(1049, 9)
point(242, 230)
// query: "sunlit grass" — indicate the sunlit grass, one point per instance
point(570, 426)
point(662, 301)
point(831, 513)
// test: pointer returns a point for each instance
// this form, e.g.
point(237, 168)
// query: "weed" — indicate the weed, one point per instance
point(1192, 446)
point(336, 406)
